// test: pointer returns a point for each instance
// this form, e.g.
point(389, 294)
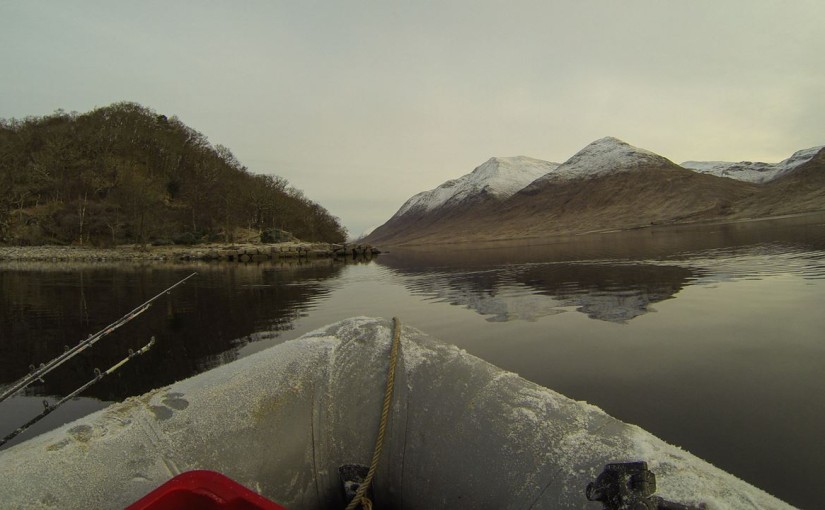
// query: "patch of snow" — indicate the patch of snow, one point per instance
point(602, 157)
point(755, 172)
point(499, 177)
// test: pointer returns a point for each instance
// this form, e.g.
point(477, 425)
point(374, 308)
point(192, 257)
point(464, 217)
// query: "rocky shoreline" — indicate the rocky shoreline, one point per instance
point(246, 252)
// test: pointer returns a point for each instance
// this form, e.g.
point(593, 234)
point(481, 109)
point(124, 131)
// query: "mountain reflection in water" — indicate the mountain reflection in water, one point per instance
point(610, 277)
point(609, 292)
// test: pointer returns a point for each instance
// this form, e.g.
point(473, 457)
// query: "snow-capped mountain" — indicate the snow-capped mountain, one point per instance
point(604, 156)
point(608, 185)
point(755, 172)
point(498, 177)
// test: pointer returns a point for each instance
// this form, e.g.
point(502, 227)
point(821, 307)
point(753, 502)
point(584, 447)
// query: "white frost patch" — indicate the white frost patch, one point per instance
point(415, 355)
point(750, 171)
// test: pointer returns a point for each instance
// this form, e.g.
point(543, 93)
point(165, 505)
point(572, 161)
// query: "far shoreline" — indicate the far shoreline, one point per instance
point(297, 250)
point(229, 252)
point(552, 237)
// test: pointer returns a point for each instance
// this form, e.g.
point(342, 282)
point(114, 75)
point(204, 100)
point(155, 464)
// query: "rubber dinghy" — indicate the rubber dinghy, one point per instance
point(462, 434)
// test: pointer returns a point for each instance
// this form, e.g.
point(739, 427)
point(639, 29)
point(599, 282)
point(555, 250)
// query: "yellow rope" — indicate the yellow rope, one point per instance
point(360, 498)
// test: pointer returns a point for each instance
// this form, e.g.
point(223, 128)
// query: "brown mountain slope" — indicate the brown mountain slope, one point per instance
point(414, 225)
point(648, 195)
point(801, 191)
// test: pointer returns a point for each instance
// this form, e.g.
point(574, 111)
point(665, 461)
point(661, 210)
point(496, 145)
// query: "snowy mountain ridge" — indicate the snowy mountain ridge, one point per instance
point(607, 185)
point(604, 156)
point(499, 177)
point(756, 172)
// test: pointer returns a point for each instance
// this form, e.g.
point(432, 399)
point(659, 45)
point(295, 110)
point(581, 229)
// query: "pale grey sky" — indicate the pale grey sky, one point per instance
point(362, 104)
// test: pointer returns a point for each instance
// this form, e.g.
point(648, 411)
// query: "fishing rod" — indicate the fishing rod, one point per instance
point(38, 373)
point(48, 408)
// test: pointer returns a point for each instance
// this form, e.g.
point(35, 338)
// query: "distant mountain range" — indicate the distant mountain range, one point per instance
point(753, 171)
point(608, 185)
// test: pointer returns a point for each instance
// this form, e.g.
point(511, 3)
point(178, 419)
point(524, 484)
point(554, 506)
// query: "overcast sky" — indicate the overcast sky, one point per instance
point(362, 104)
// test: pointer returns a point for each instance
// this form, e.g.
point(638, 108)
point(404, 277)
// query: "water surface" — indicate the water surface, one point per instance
point(710, 337)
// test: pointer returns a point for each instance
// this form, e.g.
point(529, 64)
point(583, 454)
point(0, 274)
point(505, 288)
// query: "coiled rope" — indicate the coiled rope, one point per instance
point(360, 495)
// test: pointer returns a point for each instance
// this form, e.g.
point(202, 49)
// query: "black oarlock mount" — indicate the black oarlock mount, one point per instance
point(629, 486)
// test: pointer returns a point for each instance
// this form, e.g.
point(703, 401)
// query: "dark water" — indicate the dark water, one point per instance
point(710, 337)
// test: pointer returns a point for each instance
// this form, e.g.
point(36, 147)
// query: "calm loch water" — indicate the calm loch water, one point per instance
point(710, 337)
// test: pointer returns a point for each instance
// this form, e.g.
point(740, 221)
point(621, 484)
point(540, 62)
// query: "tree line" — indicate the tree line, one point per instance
point(125, 174)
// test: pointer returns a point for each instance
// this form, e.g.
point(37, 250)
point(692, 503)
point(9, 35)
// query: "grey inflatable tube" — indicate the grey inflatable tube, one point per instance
point(462, 434)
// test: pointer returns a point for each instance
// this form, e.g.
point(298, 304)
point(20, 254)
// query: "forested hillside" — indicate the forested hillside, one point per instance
point(126, 174)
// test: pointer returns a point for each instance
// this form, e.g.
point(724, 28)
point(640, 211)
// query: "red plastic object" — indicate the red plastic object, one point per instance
point(203, 490)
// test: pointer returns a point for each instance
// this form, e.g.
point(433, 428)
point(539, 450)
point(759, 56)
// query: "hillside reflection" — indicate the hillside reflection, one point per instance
point(614, 292)
point(199, 325)
point(612, 277)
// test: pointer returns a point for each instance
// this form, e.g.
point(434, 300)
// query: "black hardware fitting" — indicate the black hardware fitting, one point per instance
point(629, 486)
